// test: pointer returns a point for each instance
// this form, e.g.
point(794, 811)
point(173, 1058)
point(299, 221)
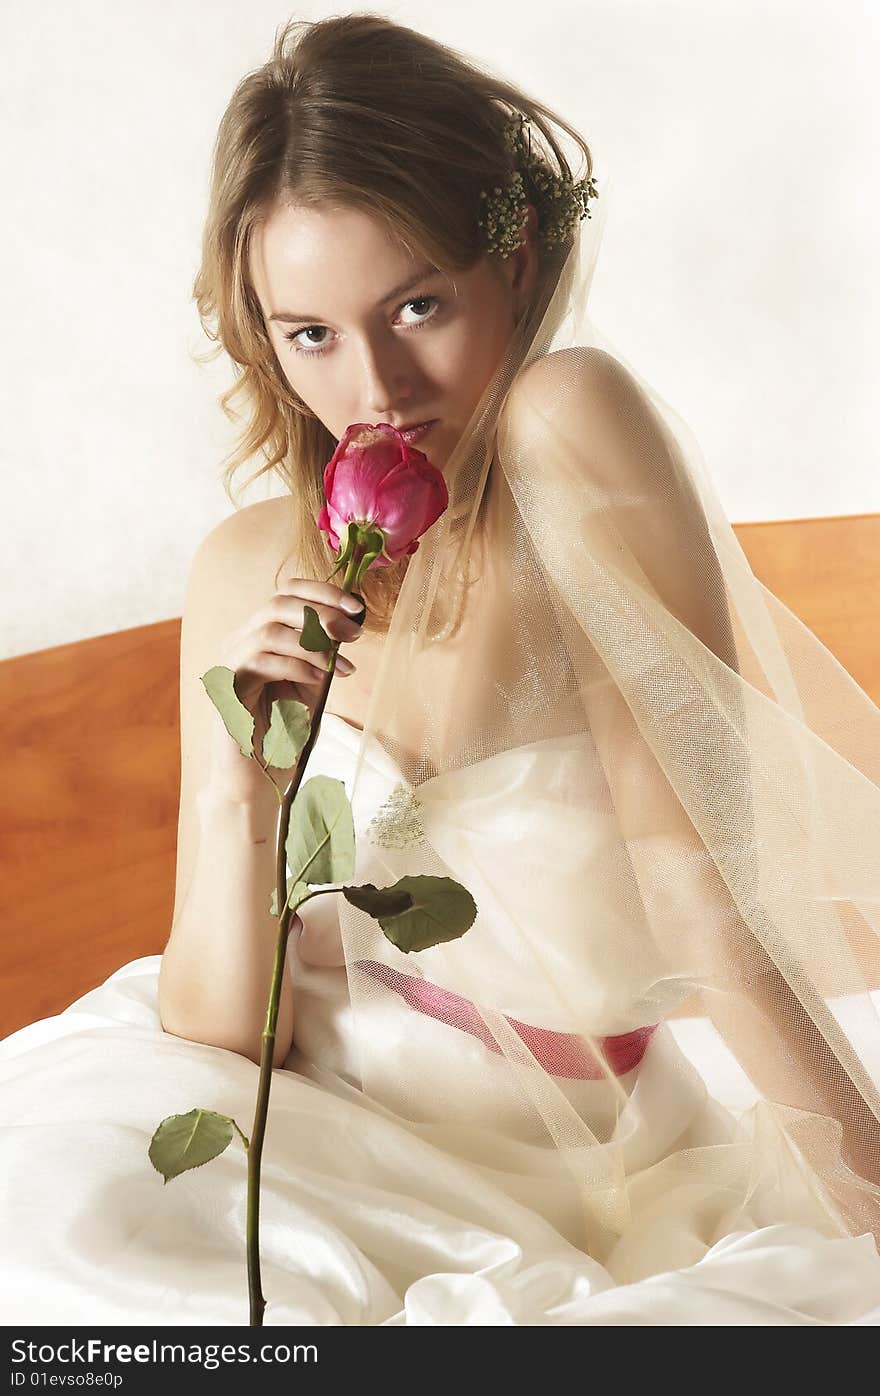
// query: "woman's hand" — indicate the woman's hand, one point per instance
point(269, 662)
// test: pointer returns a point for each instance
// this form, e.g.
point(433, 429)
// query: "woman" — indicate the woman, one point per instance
point(575, 699)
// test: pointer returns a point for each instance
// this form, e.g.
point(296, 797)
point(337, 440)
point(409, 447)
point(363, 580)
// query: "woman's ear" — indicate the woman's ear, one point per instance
point(522, 264)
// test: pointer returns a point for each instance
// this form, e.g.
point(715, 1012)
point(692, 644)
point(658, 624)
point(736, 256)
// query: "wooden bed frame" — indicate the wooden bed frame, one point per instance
point(91, 768)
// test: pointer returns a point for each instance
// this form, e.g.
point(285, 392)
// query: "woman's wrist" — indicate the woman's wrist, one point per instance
point(237, 779)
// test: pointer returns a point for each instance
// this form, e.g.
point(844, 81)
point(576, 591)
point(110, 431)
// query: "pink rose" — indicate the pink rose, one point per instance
point(375, 478)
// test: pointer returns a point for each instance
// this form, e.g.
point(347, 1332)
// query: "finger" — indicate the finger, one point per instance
point(291, 610)
point(321, 593)
point(278, 638)
point(265, 664)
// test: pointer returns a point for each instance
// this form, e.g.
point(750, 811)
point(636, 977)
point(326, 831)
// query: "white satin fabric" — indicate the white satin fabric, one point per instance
point(370, 1219)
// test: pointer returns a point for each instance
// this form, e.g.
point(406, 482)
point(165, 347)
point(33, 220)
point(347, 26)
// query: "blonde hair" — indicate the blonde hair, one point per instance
point(353, 111)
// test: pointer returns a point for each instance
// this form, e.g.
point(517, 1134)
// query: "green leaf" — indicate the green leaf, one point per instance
point(320, 838)
point(439, 909)
point(288, 731)
point(187, 1141)
point(296, 893)
point(313, 635)
point(379, 901)
point(219, 685)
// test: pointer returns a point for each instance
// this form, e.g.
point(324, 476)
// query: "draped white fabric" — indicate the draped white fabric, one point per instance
point(370, 1218)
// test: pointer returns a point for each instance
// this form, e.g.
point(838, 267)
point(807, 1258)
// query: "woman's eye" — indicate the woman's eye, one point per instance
point(292, 336)
point(419, 300)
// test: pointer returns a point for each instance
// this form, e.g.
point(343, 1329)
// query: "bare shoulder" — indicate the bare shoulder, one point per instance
point(554, 378)
point(586, 406)
point(564, 402)
point(250, 543)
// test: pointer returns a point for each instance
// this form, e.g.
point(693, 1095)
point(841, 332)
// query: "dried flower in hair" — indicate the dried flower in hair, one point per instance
point(561, 202)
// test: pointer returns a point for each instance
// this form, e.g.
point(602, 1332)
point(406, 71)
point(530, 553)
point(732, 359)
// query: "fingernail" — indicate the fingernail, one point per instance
point(352, 605)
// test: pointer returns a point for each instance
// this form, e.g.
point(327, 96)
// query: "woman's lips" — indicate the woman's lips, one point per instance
point(416, 433)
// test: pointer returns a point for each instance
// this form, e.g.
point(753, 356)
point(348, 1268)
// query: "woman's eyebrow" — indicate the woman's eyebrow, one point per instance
point(426, 270)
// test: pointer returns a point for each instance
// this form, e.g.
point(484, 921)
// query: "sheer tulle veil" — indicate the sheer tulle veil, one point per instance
point(661, 790)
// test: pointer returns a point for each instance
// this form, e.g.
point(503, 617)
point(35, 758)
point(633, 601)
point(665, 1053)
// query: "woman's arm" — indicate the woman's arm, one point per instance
point(644, 508)
point(217, 966)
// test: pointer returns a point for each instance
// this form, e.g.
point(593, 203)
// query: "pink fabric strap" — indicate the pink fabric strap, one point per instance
point(561, 1053)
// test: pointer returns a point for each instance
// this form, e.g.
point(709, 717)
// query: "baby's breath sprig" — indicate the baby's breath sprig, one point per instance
point(561, 202)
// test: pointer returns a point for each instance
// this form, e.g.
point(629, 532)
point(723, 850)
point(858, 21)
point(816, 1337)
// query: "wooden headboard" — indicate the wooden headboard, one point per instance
point(91, 768)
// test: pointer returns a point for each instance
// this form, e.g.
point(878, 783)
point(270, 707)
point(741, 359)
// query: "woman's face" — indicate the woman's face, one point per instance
point(364, 332)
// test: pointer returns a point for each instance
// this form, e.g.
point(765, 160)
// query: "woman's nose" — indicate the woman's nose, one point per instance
point(387, 380)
